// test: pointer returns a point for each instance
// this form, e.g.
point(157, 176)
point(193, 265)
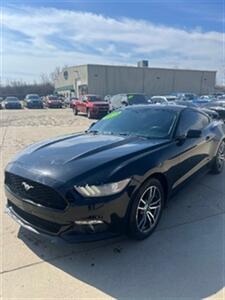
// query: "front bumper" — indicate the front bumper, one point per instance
point(78, 222)
point(54, 105)
point(99, 110)
point(35, 105)
point(7, 106)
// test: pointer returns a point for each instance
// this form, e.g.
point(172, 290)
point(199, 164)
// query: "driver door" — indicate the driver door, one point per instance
point(192, 153)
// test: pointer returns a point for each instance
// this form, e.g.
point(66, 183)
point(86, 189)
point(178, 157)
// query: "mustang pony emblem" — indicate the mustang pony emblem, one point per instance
point(27, 186)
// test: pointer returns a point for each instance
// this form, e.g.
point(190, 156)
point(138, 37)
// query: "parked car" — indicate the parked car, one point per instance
point(53, 102)
point(33, 101)
point(212, 113)
point(209, 97)
point(67, 102)
point(91, 105)
point(185, 96)
point(221, 97)
point(120, 100)
point(218, 106)
point(171, 98)
point(159, 100)
point(218, 94)
point(72, 102)
point(12, 103)
point(201, 101)
point(117, 176)
point(107, 98)
point(1, 101)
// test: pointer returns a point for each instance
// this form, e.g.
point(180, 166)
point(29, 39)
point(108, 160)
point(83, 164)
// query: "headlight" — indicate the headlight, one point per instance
point(102, 190)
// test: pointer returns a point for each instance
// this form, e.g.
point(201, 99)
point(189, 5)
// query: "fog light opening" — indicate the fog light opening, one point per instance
point(89, 222)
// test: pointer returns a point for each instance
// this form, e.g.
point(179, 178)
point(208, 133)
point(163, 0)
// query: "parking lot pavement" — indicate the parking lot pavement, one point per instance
point(184, 258)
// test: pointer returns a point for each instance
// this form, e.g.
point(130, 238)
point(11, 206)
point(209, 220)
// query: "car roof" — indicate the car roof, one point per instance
point(171, 107)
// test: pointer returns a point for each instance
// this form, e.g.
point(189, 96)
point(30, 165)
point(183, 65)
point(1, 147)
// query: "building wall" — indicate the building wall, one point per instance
point(76, 75)
point(158, 81)
point(109, 80)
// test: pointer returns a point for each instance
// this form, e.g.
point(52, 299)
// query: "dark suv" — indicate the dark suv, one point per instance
point(33, 101)
point(121, 100)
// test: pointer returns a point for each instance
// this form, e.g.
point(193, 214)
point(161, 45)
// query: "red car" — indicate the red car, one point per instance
point(92, 105)
point(53, 102)
point(72, 102)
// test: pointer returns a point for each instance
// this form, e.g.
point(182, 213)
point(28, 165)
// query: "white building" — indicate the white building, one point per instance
point(109, 80)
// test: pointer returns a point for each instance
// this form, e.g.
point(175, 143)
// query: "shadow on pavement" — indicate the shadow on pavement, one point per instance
point(185, 257)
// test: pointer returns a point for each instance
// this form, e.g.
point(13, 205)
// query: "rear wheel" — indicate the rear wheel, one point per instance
point(218, 163)
point(146, 209)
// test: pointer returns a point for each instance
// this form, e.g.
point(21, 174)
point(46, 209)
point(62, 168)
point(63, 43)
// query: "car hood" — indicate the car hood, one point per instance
point(78, 156)
point(34, 100)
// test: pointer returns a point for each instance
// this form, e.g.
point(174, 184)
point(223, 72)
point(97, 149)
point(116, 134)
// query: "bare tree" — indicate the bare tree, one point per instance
point(55, 74)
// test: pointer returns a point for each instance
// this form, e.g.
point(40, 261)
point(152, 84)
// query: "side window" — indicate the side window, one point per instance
point(191, 119)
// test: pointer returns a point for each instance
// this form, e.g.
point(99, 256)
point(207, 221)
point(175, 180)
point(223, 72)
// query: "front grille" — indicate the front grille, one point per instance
point(36, 221)
point(38, 193)
point(102, 108)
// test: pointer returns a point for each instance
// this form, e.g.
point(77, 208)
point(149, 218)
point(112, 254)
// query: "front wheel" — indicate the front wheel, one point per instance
point(146, 209)
point(218, 163)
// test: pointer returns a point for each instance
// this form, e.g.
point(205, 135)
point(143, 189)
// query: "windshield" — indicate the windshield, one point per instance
point(11, 99)
point(33, 97)
point(136, 99)
point(145, 122)
point(94, 98)
point(53, 98)
point(190, 96)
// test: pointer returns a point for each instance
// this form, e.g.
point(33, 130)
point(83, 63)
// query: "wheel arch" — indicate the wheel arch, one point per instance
point(159, 176)
point(162, 178)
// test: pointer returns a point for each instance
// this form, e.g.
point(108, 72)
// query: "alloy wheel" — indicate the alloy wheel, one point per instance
point(221, 155)
point(148, 209)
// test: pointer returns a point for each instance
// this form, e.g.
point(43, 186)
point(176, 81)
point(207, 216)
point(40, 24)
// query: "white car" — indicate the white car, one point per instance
point(159, 100)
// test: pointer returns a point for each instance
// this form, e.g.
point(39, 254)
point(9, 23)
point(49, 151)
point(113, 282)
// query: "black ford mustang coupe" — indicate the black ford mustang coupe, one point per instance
point(115, 177)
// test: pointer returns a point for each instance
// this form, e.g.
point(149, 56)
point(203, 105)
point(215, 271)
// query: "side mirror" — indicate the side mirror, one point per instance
point(125, 103)
point(181, 139)
point(193, 133)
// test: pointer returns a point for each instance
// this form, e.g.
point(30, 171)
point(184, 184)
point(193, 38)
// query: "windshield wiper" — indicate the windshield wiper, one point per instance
point(123, 134)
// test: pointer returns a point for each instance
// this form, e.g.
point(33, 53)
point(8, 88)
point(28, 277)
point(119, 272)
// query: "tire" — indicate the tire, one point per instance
point(145, 214)
point(218, 162)
point(75, 112)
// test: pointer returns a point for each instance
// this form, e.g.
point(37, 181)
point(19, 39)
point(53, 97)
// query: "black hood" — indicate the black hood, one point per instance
point(75, 156)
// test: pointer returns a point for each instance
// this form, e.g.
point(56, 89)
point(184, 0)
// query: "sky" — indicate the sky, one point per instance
point(37, 36)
